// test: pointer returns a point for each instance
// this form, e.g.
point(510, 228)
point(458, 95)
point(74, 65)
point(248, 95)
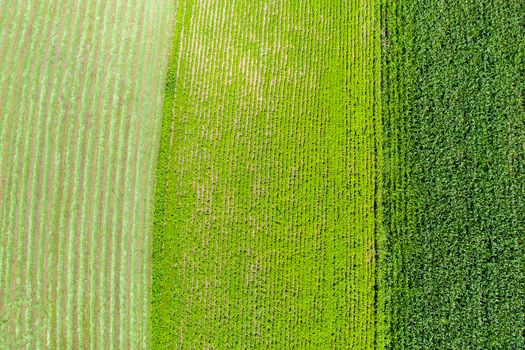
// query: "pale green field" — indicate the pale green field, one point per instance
point(81, 86)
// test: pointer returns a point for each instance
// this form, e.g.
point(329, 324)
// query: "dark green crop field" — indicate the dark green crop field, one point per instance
point(454, 173)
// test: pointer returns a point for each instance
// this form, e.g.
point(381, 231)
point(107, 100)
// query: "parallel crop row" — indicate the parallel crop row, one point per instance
point(454, 174)
point(265, 218)
point(80, 86)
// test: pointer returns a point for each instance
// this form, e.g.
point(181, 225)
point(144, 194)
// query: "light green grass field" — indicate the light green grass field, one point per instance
point(80, 88)
point(265, 218)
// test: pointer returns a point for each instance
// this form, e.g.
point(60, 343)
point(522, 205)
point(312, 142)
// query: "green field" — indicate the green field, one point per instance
point(454, 146)
point(265, 218)
point(81, 87)
point(239, 174)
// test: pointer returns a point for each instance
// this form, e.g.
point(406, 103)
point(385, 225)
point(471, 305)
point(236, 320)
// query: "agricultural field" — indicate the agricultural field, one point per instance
point(81, 86)
point(267, 182)
point(240, 174)
point(454, 146)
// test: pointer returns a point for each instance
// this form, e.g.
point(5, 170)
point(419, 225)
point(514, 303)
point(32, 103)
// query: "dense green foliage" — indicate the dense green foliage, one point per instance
point(454, 173)
point(265, 220)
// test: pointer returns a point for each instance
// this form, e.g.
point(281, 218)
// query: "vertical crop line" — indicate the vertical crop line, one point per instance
point(159, 330)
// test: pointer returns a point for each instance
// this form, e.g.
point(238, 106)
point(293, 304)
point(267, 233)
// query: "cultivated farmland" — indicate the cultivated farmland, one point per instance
point(80, 103)
point(265, 217)
point(240, 174)
point(454, 174)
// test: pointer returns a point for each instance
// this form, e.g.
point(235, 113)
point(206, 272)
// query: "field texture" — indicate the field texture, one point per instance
point(454, 162)
point(265, 218)
point(81, 84)
point(240, 174)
